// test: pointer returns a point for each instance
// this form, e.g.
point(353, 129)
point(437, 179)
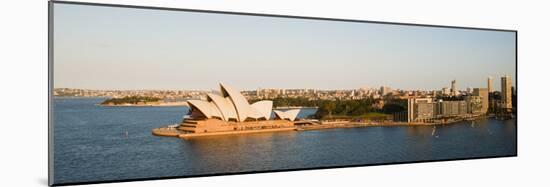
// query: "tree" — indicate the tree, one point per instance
point(392, 108)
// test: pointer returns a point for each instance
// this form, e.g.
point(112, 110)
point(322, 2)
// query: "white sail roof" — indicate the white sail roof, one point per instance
point(289, 114)
point(239, 101)
point(231, 104)
point(264, 108)
point(208, 109)
point(224, 105)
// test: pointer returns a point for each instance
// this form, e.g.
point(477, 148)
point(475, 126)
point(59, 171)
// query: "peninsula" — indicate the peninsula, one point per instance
point(140, 101)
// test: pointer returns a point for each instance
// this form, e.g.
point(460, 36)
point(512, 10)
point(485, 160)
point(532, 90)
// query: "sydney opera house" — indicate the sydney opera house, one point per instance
point(229, 110)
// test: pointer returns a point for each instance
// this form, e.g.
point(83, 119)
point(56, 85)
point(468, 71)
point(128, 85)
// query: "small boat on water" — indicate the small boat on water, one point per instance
point(433, 131)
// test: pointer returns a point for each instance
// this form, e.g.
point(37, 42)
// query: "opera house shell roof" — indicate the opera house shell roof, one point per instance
point(231, 105)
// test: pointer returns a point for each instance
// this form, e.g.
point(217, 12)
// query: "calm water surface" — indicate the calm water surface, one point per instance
point(90, 144)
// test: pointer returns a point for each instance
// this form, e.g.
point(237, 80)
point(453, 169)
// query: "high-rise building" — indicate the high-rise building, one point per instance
point(454, 91)
point(484, 94)
point(490, 84)
point(506, 86)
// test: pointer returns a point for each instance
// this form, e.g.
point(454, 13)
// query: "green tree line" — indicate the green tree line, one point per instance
point(362, 108)
point(130, 100)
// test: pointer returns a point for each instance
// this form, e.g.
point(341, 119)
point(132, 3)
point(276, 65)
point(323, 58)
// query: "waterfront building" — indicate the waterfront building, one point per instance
point(428, 110)
point(410, 110)
point(425, 111)
point(484, 94)
point(462, 107)
point(420, 109)
point(453, 108)
point(506, 91)
point(441, 109)
point(230, 111)
point(449, 108)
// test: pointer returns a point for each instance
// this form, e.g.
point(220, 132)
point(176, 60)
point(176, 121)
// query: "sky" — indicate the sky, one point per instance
point(125, 48)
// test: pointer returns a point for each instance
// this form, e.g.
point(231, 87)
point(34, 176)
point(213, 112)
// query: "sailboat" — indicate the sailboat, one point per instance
point(433, 131)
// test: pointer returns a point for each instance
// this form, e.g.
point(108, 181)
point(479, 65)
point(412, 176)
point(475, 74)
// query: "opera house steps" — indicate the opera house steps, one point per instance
point(189, 121)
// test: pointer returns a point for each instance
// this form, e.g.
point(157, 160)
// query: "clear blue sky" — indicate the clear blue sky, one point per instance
point(124, 48)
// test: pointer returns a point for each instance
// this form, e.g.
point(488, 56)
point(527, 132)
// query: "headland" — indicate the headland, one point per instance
point(141, 101)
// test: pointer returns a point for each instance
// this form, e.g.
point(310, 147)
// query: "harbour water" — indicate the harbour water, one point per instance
point(97, 143)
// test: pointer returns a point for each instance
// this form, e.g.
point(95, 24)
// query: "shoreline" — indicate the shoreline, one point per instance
point(361, 125)
point(147, 104)
point(172, 131)
point(160, 104)
point(295, 107)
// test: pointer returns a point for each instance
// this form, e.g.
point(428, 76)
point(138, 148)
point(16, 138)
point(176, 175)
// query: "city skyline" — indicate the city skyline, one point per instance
point(136, 49)
point(490, 83)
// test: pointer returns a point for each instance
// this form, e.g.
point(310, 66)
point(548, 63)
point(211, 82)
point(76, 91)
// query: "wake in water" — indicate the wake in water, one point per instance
point(433, 132)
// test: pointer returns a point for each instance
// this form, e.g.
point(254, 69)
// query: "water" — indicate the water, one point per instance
point(90, 144)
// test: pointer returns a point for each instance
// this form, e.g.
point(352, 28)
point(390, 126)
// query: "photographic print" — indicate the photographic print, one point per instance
point(153, 93)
